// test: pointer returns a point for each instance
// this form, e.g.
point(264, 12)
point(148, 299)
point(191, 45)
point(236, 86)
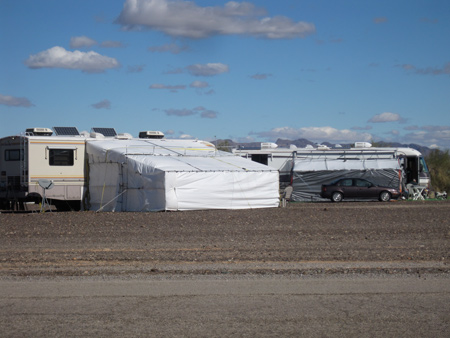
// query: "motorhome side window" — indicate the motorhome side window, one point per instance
point(63, 157)
point(13, 155)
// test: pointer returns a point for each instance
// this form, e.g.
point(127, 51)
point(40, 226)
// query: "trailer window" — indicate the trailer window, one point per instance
point(63, 157)
point(13, 155)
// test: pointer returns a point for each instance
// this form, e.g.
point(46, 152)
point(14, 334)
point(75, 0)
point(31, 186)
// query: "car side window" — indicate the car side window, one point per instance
point(346, 183)
point(362, 183)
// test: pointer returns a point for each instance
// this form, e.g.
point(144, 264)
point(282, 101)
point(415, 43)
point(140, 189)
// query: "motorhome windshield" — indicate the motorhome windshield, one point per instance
point(423, 165)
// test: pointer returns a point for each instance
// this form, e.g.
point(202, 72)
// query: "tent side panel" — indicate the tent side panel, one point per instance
point(145, 192)
point(104, 184)
point(221, 190)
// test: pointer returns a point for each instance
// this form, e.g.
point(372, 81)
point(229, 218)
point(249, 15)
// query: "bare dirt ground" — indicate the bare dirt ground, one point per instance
point(309, 270)
point(304, 238)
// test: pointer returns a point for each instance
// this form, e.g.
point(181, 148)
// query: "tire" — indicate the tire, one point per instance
point(337, 197)
point(385, 196)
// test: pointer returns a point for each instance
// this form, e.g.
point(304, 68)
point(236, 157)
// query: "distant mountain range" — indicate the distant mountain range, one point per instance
point(302, 143)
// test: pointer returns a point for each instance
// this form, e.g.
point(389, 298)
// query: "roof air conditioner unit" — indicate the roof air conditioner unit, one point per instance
point(151, 134)
point(39, 131)
point(269, 145)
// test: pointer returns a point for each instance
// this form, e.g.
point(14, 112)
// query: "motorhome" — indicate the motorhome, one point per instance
point(411, 161)
point(37, 156)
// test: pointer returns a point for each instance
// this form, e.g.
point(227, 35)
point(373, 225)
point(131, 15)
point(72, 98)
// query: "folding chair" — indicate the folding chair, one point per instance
point(413, 194)
point(418, 194)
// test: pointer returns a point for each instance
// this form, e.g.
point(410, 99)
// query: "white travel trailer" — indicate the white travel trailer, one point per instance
point(411, 161)
point(34, 157)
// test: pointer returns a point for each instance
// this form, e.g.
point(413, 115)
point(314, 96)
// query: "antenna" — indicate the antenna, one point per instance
point(46, 185)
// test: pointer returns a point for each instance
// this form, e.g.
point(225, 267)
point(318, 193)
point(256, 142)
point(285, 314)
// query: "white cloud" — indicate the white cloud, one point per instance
point(58, 57)
point(393, 132)
point(386, 117)
point(316, 134)
point(136, 69)
point(245, 139)
point(444, 70)
point(81, 42)
point(428, 20)
point(430, 135)
point(186, 19)
point(435, 128)
point(380, 20)
point(208, 114)
point(180, 112)
point(209, 69)
point(361, 128)
point(112, 44)
point(204, 113)
point(169, 48)
point(199, 84)
point(174, 71)
point(186, 137)
point(172, 88)
point(15, 101)
point(259, 76)
point(105, 104)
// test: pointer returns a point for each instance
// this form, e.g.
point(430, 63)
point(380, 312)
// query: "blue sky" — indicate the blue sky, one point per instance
point(325, 70)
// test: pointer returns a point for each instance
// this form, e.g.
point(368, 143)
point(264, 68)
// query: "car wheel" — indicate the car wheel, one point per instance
point(337, 197)
point(385, 196)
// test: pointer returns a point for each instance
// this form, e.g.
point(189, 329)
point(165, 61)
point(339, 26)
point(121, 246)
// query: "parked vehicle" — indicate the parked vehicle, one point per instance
point(357, 188)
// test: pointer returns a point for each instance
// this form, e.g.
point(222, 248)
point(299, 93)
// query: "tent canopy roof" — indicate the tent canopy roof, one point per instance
point(170, 155)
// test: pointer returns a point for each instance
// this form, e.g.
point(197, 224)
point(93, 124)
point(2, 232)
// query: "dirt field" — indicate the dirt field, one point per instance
point(304, 238)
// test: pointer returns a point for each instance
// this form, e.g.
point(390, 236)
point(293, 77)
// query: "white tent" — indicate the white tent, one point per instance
point(153, 175)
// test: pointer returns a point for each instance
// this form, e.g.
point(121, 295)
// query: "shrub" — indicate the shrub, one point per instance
point(439, 165)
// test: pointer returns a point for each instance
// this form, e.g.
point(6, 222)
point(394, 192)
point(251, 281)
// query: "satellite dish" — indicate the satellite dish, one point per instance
point(46, 184)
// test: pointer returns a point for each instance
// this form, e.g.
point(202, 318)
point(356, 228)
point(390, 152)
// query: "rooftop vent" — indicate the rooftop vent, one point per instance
point(39, 131)
point(124, 136)
point(151, 134)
